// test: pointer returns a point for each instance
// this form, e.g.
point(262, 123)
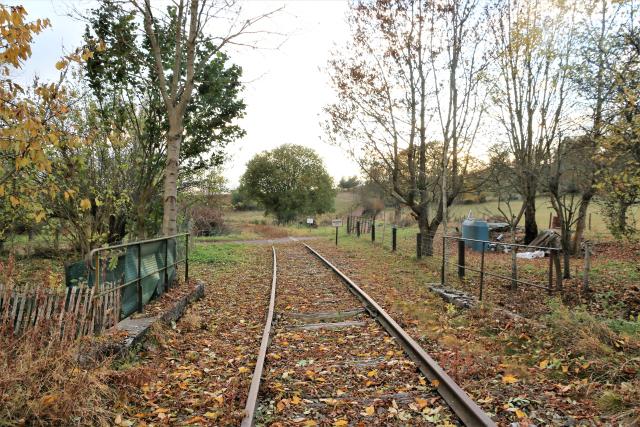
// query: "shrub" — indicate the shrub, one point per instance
point(207, 221)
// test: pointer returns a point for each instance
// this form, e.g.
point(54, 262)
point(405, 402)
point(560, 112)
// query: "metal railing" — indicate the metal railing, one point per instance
point(123, 255)
point(554, 264)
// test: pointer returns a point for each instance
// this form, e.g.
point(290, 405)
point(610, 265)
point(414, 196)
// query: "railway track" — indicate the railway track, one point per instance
point(330, 355)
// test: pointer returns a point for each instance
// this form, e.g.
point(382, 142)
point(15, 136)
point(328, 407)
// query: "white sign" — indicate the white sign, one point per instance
point(336, 222)
point(309, 220)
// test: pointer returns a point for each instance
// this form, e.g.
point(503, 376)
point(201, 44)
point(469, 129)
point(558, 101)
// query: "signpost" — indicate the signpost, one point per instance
point(337, 223)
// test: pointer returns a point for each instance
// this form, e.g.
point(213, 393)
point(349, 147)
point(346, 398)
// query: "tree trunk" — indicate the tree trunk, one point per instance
point(581, 222)
point(530, 224)
point(170, 197)
point(426, 240)
point(622, 216)
point(397, 214)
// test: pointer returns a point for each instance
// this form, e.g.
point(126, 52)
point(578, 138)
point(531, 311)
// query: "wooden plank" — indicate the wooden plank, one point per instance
point(61, 307)
point(22, 300)
point(328, 315)
point(329, 325)
point(85, 310)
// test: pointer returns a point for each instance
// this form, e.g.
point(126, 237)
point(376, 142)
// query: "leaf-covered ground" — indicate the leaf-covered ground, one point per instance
point(327, 367)
point(564, 368)
point(198, 371)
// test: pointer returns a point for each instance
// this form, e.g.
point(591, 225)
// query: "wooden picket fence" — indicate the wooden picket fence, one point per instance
point(69, 314)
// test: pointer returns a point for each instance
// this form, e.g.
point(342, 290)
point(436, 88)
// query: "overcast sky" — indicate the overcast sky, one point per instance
point(286, 85)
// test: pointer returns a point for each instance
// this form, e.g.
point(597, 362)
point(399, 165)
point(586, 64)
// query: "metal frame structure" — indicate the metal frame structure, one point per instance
point(554, 261)
point(95, 266)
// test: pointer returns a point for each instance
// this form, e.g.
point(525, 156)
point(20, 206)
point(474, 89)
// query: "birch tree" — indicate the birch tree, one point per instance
point(176, 82)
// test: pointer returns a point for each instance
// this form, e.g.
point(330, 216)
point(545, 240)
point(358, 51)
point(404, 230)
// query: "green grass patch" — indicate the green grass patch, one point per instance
point(222, 254)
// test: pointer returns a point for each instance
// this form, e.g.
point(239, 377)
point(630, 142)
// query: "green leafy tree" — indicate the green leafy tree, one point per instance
point(289, 181)
point(621, 177)
point(35, 125)
point(122, 78)
point(348, 182)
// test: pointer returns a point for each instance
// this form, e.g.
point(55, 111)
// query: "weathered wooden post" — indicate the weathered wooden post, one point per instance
point(418, 246)
point(358, 228)
point(373, 231)
point(587, 267)
point(550, 278)
point(556, 263)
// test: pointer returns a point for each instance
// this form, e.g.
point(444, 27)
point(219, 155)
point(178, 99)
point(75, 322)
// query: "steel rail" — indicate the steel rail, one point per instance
point(252, 398)
point(459, 402)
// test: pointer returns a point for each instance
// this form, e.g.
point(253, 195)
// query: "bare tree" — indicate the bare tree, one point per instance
point(408, 63)
point(594, 78)
point(176, 84)
point(566, 186)
point(531, 52)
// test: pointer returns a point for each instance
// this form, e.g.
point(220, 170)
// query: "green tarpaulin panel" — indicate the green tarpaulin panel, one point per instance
point(151, 258)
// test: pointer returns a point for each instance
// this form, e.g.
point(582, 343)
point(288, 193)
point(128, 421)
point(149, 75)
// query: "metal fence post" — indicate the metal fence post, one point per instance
point(443, 266)
point(419, 246)
point(186, 259)
point(394, 233)
point(482, 271)
point(373, 231)
point(139, 283)
point(166, 264)
point(461, 258)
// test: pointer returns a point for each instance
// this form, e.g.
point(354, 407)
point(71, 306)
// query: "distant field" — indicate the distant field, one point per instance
point(346, 201)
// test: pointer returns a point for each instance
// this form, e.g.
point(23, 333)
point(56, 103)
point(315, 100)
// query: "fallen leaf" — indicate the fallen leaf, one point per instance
point(421, 402)
point(369, 411)
point(340, 423)
point(296, 400)
point(509, 379)
point(520, 414)
point(543, 364)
